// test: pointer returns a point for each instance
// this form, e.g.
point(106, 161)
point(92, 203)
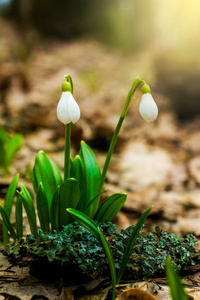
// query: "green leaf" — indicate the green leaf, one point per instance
point(7, 223)
point(77, 173)
point(19, 218)
point(27, 202)
point(94, 229)
point(85, 221)
point(87, 209)
point(13, 146)
point(4, 138)
point(8, 204)
point(110, 207)
point(54, 210)
point(91, 178)
point(8, 149)
point(110, 259)
point(46, 172)
point(69, 197)
point(43, 209)
point(174, 281)
point(131, 243)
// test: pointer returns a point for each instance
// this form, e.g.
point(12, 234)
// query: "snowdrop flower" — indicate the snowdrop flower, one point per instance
point(148, 107)
point(68, 109)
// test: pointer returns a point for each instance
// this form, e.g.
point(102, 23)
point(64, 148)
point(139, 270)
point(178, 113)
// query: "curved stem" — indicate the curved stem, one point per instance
point(135, 85)
point(67, 151)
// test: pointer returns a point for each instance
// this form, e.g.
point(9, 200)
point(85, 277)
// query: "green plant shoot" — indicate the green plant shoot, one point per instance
point(176, 288)
point(83, 180)
point(9, 146)
point(95, 230)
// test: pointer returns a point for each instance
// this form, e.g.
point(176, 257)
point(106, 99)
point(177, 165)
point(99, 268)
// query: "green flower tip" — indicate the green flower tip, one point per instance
point(83, 142)
point(66, 87)
point(137, 79)
point(146, 89)
point(41, 152)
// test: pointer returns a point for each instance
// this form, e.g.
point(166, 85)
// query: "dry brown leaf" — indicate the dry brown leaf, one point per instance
point(136, 294)
point(67, 294)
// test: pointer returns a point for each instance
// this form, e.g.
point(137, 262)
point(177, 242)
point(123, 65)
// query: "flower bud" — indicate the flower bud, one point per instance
point(148, 108)
point(68, 109)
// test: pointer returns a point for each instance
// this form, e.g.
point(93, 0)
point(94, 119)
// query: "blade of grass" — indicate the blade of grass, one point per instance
point(27, 202)
point(95, 230)
point(43, 209)
point(7, 223)
point(176, 288)
point(110, 259)
point(54, 210)
point(131, 243)
point(8, 204)
point(86, 210)
point(85, 221)
point(19, 218)
point(110, 207)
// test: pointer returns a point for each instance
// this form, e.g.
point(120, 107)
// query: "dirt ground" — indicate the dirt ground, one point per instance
point(156, 164)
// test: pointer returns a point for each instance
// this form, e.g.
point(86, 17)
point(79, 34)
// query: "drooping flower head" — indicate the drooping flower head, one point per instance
point(148, 107)
point(67, 109)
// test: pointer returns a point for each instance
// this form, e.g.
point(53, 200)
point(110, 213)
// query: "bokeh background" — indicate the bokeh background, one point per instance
point(165, 32)
point(103, 45)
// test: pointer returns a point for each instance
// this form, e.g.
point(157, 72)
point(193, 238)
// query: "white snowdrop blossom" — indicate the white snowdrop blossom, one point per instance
point(148, 108)
point(68, 109)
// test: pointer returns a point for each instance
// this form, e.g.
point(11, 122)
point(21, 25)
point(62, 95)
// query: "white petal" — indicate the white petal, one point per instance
point(62, 108)
point(73, 109)
point(148, 108)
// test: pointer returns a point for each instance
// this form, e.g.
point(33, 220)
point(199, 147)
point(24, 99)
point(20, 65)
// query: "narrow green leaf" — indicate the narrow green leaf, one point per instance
point(14, 144)
point(86, 210)
point(7, 223)
point(176, 288)
point(110, 259)
point(95, 230)
point(77, 173)
point(54, 210)
point(76, 168)
point(8, 204)
point(4, 139)
point(46, 172)
point(69, 197)
point(131, 243)
point(19, 218)
point(91, 178)
point(110, 207)
point(85, 221)
point(27, 202)
point(43, 209)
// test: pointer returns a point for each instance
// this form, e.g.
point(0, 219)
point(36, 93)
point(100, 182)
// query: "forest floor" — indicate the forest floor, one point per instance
point(156, 164)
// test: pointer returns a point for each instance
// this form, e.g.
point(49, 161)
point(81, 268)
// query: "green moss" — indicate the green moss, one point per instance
point(76, 247)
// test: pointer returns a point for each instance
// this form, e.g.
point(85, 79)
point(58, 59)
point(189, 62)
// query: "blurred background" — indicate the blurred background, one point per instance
point(103, 45)
point(166, 33)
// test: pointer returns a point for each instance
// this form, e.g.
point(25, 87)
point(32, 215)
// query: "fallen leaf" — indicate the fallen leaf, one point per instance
point(136, 294)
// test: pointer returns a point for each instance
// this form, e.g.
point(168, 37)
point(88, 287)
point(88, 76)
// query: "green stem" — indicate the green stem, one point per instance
point(67, 151)
point(135, 85)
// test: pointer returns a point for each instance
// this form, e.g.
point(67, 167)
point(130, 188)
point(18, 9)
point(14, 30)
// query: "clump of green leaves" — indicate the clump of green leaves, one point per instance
point(82, 185)
point(53, 196)
point(9, 146)
point(76, 246)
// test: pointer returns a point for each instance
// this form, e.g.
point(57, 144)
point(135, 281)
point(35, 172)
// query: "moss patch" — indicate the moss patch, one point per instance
point(76, 248)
